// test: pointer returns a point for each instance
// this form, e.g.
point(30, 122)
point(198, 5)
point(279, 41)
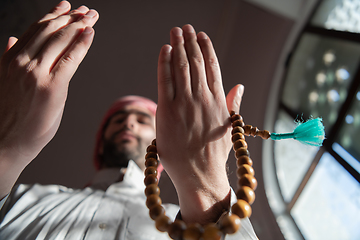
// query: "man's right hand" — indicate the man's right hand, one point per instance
point(193, 124)
point(35, 72)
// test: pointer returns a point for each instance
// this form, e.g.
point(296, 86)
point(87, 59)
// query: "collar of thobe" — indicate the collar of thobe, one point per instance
point(132, 177)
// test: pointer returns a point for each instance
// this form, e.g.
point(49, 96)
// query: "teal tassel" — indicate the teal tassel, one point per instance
point(310, 132)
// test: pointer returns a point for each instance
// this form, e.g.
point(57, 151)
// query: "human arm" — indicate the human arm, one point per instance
point(193, 126)
point(34, 76)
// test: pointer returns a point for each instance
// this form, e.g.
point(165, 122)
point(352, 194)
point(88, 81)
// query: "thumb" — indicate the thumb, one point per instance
point(234, 97)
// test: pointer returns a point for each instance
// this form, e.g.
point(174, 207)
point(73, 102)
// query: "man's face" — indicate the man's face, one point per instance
point(127, 135)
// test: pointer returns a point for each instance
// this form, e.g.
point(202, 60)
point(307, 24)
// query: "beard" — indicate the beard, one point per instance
point(117, 155)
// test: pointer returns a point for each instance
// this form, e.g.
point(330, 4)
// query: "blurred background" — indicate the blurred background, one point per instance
point(296, 59)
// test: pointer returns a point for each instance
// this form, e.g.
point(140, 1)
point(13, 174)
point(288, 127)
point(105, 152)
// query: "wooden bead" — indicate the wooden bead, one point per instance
point(244, 160)
point(152, 189)
point(153, 142)
point(236, 117)
point(150, 170)
point(237, 136)
point(229, 224)
point(162, 223)
point(176, 229)
point(232, 112)
point(238, 123)
point(156, 211)
point(245, 169)
point(211, 232)
point(239, 144)
point(151, 148)
point(242, 209)
point(242, 152)
point(151, 162)
point(247, 129)
point(248, 180)
point(258, 133)
point(237, 130)
point(153, 200)
point(247, 194)
point(253, 131)
point(151, 155)
point(193, 232)
point(264, 134)
point(150, 179)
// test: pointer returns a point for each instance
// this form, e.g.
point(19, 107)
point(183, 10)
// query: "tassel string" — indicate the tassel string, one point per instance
point(310, 132)
point(280, 136)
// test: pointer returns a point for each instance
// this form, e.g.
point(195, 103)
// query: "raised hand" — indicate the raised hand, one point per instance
point(192, 123)
point(34, 75)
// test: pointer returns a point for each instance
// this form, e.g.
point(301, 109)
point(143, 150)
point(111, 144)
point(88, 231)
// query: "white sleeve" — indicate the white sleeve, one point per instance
point(246, 230)
point(2, 202)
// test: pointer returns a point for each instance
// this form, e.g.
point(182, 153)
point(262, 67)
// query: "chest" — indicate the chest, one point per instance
point(80, 215)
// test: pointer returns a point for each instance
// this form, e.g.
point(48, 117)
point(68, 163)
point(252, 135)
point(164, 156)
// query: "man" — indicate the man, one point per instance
point(34, 76)
point(113, 206)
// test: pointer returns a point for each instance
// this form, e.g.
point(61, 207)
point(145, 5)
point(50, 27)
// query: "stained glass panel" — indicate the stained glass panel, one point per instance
point(319, 77)
point(349, 136)
point(329, 206)
point(341, 15)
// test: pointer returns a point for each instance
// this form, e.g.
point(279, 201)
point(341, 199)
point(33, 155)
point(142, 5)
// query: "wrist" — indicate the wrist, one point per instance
point(12, 156)
point(11, 167)
point(203, 198)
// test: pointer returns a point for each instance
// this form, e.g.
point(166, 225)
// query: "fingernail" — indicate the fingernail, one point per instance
point(177, 32)
point(202, 35)
point(63, 4)
point(188, 28)
point(241, 90)
point(82, 9)
point(91, 13)
point(167, 48)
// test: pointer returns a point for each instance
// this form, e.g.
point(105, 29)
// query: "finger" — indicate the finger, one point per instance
point(180, 64)
point(63, 39)
point(62, 8)
point(166, 86)
point(11, 42)
point(5, 58)
point(50, 27)
point(195, 58)
point(70, 60)
point(234, 97)
point(212, 67)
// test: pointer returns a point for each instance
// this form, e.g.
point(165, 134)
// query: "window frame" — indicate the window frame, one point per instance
point(280, 207)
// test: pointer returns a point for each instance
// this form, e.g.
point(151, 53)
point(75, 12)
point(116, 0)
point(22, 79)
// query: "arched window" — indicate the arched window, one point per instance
point(315, 192)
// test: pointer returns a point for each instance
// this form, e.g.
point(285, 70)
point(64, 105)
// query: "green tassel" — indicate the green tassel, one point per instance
point(310, 132)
